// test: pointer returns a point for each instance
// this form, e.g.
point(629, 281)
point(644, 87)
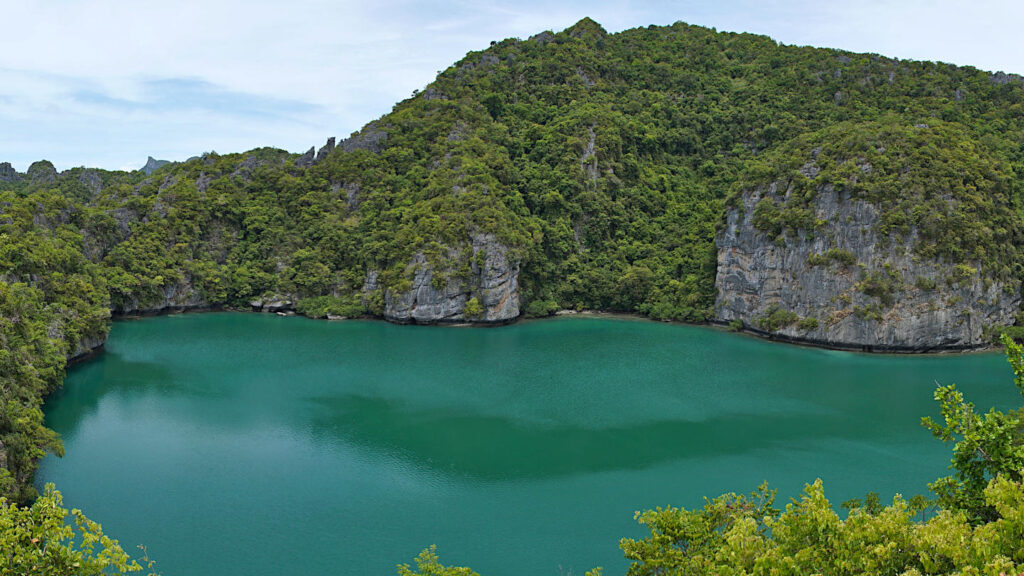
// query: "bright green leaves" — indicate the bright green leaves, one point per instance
point(41, 540)
point(731, 526)
point(810, 538)
point(428, 564)
point(985, 445)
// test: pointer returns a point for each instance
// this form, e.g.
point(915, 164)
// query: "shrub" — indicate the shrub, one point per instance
point(777, 318)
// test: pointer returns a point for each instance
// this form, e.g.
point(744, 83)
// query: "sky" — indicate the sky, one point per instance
point(106, 83)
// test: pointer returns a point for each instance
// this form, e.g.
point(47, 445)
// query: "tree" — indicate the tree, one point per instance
point(986, 445)
point(38, 540)
point(428, 564)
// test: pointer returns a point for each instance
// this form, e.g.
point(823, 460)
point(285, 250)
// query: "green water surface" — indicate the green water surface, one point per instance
point(246, 444)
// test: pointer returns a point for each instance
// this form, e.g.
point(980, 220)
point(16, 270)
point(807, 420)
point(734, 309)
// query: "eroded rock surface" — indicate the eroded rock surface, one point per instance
point(867, 293)
point(178, 297)
point(493, 283)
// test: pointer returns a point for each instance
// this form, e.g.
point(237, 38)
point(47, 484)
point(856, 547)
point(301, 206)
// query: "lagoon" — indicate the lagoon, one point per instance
point(239, 443)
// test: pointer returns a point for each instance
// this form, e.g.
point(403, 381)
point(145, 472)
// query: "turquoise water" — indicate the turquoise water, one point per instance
point(234, 444)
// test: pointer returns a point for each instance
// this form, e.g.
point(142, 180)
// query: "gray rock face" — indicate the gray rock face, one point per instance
point(152, 164)
point(275, 303)
point(92, 180)
point(323, 152)
point(86, 347)
point(42, 172)
point(542, 38)
point(307, 159)
point(8, 173)
point(432, 93)
point(493, 281)
point(1000, 78)
point(372, 138)
point(923, 305)
point(174, 297)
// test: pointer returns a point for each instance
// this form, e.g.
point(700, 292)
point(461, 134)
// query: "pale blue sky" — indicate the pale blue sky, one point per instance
point(107, 82)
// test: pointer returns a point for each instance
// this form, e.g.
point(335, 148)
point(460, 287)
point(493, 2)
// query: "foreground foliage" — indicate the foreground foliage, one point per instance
point(44, 539)
point(736, 534)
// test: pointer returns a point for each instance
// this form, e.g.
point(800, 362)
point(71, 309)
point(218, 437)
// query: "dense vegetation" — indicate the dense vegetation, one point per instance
point(935, 181)
point(602, 162)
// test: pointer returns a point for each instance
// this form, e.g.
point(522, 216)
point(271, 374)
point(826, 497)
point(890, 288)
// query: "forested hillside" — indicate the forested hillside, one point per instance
point(577, 170)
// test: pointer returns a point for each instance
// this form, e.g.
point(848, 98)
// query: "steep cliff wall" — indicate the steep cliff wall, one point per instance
point(176, 297)
point(489, 294)
point(844, 285)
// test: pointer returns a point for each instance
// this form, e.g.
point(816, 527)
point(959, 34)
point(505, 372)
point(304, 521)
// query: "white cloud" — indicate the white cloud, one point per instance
point(82, 82)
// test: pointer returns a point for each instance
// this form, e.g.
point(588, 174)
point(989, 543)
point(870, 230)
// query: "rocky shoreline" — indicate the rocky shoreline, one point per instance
point(99, 345)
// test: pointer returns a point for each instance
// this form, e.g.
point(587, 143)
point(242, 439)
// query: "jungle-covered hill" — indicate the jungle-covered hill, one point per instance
point(573, 170)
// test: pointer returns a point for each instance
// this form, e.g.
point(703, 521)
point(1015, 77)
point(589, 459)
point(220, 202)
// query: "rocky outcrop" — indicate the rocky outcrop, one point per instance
point(327, 149)
point(274, 303)
point(8, 173)
point(177, 297)
point(307, 159)
point(42, 172)
point(371, 138)
point(93, 182)
point(489, 295)
point(844, 286)
point(86, 347)
point(152, 165)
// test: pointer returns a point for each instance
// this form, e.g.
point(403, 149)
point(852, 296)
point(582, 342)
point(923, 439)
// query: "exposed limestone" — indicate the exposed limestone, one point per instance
point(588, 162)
point(152, 165)
point(493, 282)
point(1001, 78)
point(432, 93)
point(176, 297)
point(875, 294)
point(91, 179)
point(8, 173)
point(42, 172)
point(86, 347)
point(274, 303)
point(372, 138)
point(542, 38)
point(352, 196)
point(328, 147)
point(307, 159)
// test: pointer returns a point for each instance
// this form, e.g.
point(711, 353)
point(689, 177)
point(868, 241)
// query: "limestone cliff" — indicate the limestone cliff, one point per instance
point(491, 289)
point(87, 346)
point(845, 285)
point(176, 297)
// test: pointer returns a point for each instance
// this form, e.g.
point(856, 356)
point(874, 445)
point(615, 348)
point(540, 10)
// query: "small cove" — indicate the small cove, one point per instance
point(234, 443)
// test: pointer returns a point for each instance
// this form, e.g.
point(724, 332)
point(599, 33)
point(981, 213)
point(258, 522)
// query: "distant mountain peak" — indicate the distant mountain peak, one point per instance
point(152, 164)
point(586, 28)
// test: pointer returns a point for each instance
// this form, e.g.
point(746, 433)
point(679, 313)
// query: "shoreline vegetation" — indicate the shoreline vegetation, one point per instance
point(982, 348)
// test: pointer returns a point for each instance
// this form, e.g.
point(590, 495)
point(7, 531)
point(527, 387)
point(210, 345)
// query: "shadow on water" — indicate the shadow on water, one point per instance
point(108, 376)
point(495, 448)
